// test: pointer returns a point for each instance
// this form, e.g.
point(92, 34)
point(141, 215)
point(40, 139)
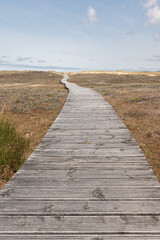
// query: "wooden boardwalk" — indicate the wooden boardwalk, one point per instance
point(87, 180)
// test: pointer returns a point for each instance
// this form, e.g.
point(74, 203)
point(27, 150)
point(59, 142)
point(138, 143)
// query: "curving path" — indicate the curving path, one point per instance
point(87, 180)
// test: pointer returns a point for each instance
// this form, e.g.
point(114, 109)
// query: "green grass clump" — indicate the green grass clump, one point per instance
point(136, 99)
point(12, 147)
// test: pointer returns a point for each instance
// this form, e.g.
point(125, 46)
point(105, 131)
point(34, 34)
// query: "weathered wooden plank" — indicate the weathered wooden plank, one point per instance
point(88, 127)
point(130, 151)
point(86, 109)
point(78, 165)
point(84, 159)
point(104, 123)
point(87, 137)
point(67, 139)
point(108, 134)
point(84, 182)
point(75, 115)
point(80, 237)
point(85, 173)
point(92, 120)
point(110, 130)
point(81, 224)
point(102, 118)
point(77, 193)
point(33, 207)
point(85, 145)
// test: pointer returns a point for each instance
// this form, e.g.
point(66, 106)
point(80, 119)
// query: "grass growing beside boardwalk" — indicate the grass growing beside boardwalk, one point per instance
point(12, 149)
point(31, 100)
point(136, 98)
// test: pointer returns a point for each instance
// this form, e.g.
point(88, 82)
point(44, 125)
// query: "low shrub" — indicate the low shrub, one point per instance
point(12, 147)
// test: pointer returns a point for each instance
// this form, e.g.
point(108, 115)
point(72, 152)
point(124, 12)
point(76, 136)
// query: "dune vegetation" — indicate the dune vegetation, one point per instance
point(29, 103)
point(136, 99)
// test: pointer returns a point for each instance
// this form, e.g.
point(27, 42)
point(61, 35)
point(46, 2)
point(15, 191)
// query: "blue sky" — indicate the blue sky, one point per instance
point(80, 34)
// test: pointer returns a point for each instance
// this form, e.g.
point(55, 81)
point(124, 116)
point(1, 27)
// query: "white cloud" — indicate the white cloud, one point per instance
point(153, 11)
point(157, 37)
point(154, 15)
point(150, 3)
point(91, 15)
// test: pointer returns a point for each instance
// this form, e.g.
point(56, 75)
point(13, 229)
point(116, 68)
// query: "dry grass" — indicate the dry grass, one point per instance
point(136, 98)
point(31, 101)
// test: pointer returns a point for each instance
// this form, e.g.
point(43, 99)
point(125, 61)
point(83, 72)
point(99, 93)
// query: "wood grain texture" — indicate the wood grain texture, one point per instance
point(87, 180)
point(79, 237)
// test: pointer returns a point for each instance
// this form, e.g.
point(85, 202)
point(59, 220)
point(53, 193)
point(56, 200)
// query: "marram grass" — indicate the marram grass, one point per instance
point(12, 147)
